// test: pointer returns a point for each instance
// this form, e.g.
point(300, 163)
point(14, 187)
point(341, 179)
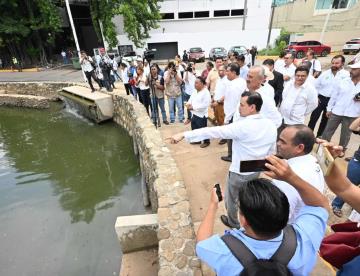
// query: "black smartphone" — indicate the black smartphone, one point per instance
point(253, 166)
point(218, 191)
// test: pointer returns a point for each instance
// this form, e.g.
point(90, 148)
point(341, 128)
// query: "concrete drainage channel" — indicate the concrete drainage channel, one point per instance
point(170, 228)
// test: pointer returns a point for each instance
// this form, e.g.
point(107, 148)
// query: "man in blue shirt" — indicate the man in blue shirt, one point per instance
point(264, 211)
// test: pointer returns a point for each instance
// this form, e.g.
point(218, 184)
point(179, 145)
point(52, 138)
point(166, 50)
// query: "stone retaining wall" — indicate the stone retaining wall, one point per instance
point(44, 89)
point(166, 190)
point(24, 101)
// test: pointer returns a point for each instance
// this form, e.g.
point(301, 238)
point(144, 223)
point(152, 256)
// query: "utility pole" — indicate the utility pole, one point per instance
point(245, 14)
point(74, 33)
point(273, 5)
point(326, 22)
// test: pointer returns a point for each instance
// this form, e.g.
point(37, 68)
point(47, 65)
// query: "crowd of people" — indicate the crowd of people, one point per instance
point(260, 113)
point(262, 116)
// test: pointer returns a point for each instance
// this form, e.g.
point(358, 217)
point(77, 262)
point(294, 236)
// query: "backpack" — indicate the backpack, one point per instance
point(275, 266)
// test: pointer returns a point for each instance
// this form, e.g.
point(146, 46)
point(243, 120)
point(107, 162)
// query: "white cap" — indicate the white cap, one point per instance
point(355, 66)
point(268, 74)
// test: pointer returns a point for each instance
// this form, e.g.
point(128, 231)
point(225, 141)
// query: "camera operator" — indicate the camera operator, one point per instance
point(189, 79)
point(88, 66)
point(105, 64)
point(156, 83)
point(173, 82)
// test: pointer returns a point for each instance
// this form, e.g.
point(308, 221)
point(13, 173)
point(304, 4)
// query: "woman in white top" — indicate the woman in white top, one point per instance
point(144, 89)
point(189, 88)
point(89, 69)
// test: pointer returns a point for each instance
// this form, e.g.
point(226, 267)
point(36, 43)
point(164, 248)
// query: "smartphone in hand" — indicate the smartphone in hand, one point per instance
point(218, 191)
point(253, 165)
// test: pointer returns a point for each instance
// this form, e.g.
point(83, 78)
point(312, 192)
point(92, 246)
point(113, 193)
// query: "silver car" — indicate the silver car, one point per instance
point(352, 46)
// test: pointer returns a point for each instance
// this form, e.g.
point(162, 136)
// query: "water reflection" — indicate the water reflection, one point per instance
point(63, 181)
point(87, 164)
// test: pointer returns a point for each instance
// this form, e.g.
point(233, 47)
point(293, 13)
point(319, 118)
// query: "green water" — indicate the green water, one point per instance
point(63, 182)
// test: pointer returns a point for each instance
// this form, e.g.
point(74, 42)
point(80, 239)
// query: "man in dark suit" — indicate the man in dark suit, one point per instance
point(277, 83)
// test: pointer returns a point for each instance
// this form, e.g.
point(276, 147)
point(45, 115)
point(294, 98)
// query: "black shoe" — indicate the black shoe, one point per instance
point(226, 158)
point(165, 122)
point(195, 143)
point(222, 141)
point(225, 220)
point(204, 145)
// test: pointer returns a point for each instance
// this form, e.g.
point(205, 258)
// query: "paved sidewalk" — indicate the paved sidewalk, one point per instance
point(65, 74)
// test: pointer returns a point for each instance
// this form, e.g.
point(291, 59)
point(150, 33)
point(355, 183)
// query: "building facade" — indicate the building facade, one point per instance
point(306, 19)
point(206, 24)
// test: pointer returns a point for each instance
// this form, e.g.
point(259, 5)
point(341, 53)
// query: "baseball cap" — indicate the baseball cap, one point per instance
point(355, 65)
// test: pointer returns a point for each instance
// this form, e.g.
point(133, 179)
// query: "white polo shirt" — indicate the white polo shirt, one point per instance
point(342, 101)
point(200, 101)
point(232, 95)
point(267, 90)
point(298, 102)
point(220, 88)
point(307, 168)
point(326, 82)
point(254, 137)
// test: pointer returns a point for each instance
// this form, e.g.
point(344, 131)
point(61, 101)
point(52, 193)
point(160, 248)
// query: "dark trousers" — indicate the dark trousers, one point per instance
point(197, 122)
point(186, 98)
point(278, 98)
point(127, 88)
point(145, 99)
point(106, 80)
point(90, 75)
point(139, 93)
point(229, 142)
point(323, 102)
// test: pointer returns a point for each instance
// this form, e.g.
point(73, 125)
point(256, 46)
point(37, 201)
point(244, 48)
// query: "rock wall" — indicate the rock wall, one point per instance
point(166, 189)
point(44, 89)
point(16, 100)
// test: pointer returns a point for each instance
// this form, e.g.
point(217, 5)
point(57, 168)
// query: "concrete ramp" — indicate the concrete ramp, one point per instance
point(96, 106)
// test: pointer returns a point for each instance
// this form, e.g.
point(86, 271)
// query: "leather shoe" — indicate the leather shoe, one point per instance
point(195, 143)
point(204, 145)
point(165, 122)
point(226, 158)
point(225, 220)
point(222, 141)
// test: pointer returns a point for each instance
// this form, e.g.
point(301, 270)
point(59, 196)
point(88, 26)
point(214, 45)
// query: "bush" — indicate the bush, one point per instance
point(280, 44)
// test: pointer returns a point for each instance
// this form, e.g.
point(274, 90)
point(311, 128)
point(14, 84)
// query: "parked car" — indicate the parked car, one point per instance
point(300, 48)
point(128, 57)
point(241, 50)
point(352, 46)
point(217, 52)
point(196, 54)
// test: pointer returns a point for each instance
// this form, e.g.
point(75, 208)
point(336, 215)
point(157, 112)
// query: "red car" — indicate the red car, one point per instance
point(196, 54)
point(299, 49)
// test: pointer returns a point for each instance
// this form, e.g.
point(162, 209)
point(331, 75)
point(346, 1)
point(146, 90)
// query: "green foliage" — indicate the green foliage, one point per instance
point(280, 44)
point(140, 16)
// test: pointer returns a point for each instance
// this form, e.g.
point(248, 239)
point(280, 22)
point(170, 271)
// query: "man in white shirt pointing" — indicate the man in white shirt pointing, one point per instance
point(254, 137)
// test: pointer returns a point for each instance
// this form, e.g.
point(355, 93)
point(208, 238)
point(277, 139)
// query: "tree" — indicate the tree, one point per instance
point(140, 16)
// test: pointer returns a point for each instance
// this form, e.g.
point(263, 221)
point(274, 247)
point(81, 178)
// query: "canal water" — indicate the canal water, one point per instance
point(63, 182)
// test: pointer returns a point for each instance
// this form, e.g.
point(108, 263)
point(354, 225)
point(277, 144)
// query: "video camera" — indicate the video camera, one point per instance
point(149, 54)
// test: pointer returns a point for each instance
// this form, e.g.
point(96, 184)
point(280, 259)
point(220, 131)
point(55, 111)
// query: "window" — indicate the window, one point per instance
point(200, 14)
point(335, 4)
point(237, 12)
point(221, 13)
point(168, 15)
point(186, 15)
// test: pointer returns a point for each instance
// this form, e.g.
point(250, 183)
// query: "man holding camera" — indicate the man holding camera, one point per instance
point(344, 106)
point(173, 82)
point(88, 66)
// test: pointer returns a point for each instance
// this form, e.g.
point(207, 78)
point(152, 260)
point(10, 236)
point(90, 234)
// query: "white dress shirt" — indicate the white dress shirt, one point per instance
point(288, 71)
point(342, 101)
point(307, 168)
point(315, 66)
point(244, 71)
point(254, 137)
point(311, 80)
point(124, 75)
point(326, 82)
point(189, 83)
point(268, 109)
point(267, 90)
point(220, 88)
point(200, 101)
point(86, 64)
point(298, 102)
point(280, 62)
point(232, 95)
